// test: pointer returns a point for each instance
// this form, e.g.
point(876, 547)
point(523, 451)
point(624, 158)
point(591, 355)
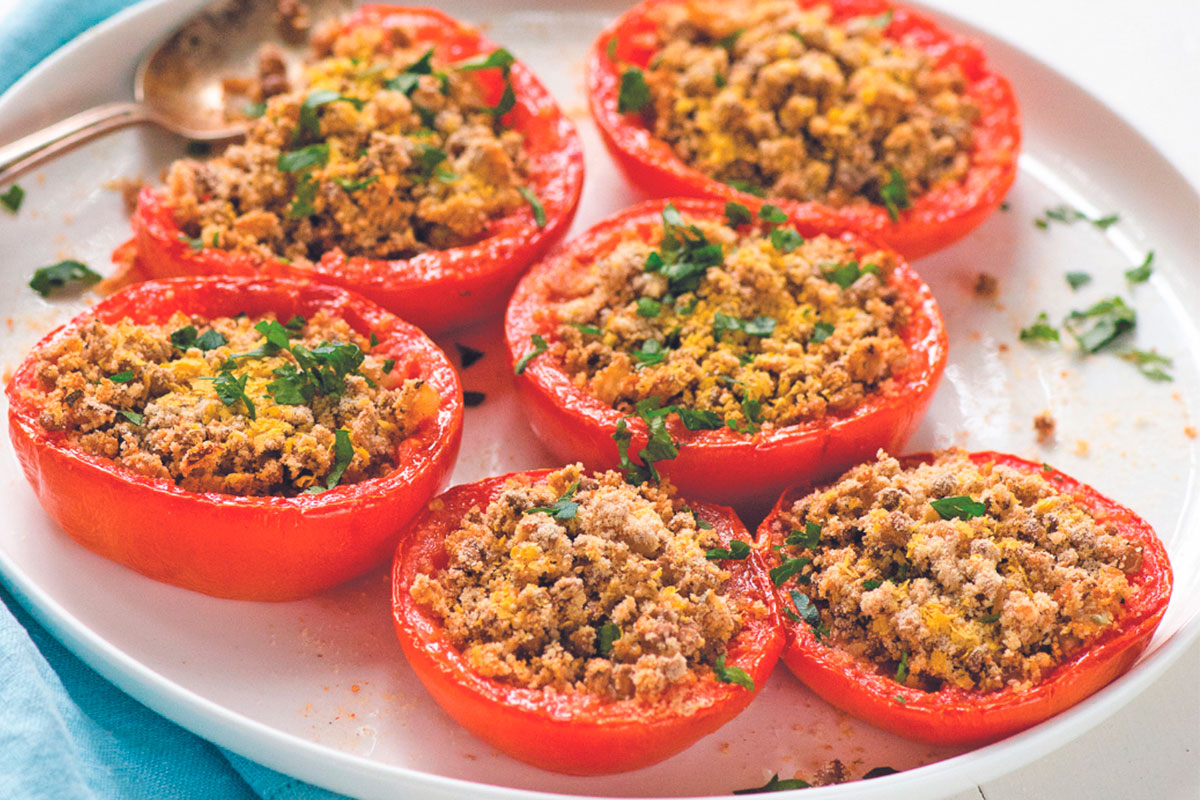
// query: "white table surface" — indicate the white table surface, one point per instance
point(1143, 61)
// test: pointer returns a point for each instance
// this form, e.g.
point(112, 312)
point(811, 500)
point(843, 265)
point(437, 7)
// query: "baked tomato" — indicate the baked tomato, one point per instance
point(577, 732)
point(244, 547)
point(913, 226)
point(740, 468)
point(951, 715)
point(436, 289)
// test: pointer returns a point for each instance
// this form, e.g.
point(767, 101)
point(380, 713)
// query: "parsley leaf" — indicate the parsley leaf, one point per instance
point(196, 244)
point(350, 185)
point(309, 122)
point(808, 538)
point(1077, 279)
point(695, 419)
point(734, 675)
point(648, 307)
point(606, 637)
point(588, 330)
point(747, 187)
point(1149, 363)
point(775, 785)
point(958, 507)
point(507, 102)
point(760, 326)
point(821, 332)
point(634, 94)
point(133, 416)
point(651, 354)
point(231, 389)
point(539, 212)
point(844, 275)
point(788, 569)
point(1041, 330)
point(737, 551)
point(499, 59)
point(770, 213)
point(122, 377)
point(737, 214)
point(785, 240)
point(302, 203)
point(1142, 273)
point(880, 20)
point(894, 194)
point(55, 276)
point(539, 347)
point(1097, 326)
point(806, 612)
point(291, 386)
point(12, 199)
point(564, 507)
point(902, 668)
point(343, 454)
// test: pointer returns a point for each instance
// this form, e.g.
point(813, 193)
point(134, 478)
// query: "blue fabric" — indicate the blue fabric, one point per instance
point(65, 732)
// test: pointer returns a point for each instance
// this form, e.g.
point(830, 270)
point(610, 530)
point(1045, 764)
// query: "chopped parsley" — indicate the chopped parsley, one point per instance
point(634, 94)
point(607, 635)
point(231, 389)
point(727, 42)
point(309, 122)
point(352, 185)
point(122, 377)
point(775, 785)
point(761, 326)
point(737, 214)
point(13, 198)
point(255, 110)
point(133, 416)
point(770, 213)
point(844, 275)
point(1142, 273)
point(588, 330)
point(821, 332)
point(958, 507)
point(564, 507)
point(611, 48)
point(747, 187)
point(871, 585)
point(684, 254)
point(56, 276)
point(880, 20)
point(1040, 331)
point(651, 354)
point(894, 195)
point(734, 675)
point(648, 307)
point(785, 240)
point(539, 212)
point(1067, 215)
point(807, 538)
point(737, 551)
point(902, 668)
point(1099, 325)
point(506, 103)
point(1150, 364)
point(499, 59)
point(302, 203)
point(196, 244)
point(791, 568)
point(343, 454)
point(388, 366)
point(806, 612)
point(1078, 279)
point(408, 80)
point(539, 347)
point(429, 159)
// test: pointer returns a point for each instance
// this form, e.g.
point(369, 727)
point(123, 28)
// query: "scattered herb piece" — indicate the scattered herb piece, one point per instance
point(734, 675)
point(388, 366)
point(651, 353)
point(343, 454)
point(1077, 279)
point(1040, 331)
point(133, 416)
point(611, 48)
point(747, 187)
point(737, 551)
point(507, 102)
point(770, 213)
point(990, 618)
point(539, 212)
point(648, 307)
point(760, 326)
point(785, 240)
point(894, 194)
point(473, 399)
point(589, 330)
point(737, 214)
point(607, 635)
point(13, 198)
point(806, 612)
point(880, 20)
point(871, 585)
point(290, 387)
point(958, 507)
point(499, 59)
point(1141, 274)
point(1100, 324)
point(196, 244)
point(790, 568)
point(564, 507)
point(429, 159)
point(1149, 363)
point(902, 668)
point(539, 347)
point(1067, 215)
point(775, 785)
point(302, 203)
point(309, 122)
point(255, 110)
point(821, 332)
point(231, 389)
point(55, 276)
point(727, 42)
point(634, 94)
point(352, 185)
point(808, 538)
point(122, 377)
point(844, 275)
point(314, 155)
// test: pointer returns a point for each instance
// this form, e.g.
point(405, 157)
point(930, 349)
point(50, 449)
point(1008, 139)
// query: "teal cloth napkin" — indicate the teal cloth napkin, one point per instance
point(65, 732)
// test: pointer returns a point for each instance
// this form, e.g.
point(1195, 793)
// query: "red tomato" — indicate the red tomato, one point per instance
point(249, 548)
point(575, 733)
point(438, 289)
point(954, 716)
point(747, 471)
point(937, 218)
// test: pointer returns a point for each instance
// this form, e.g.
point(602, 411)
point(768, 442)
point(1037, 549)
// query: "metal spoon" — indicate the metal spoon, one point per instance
point(178, 84)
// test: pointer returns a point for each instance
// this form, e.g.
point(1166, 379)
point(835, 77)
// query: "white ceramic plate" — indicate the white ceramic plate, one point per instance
point(319, 688)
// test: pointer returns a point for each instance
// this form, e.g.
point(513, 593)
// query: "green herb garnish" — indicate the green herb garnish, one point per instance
point(902, 668)
point(309, 122)
point(737, 214)
point(1141, 274)
point(651, 353)
point(343, 454)
point(122, 377)
point(760, 326)
point(196, 244)
point(564, 507)
point(737, 551)
point(539, 212)
point(958, 507)
point(499, 59)
point(606, 637)
point(808, 538)
point(844, 275)
point(747, 187)
point(589, 330)
point(1149, 363)
point(790, 568)
point(634, 94)
point(734, 675)
point(775, 785)
point(352, 185)
point(302, 203)
point(539, 347)
point(1099, 325)
point(1040, 331)
point(821, 332)
point(770, 213)
point(785, 240)
point(231, 389)
point(133, 416)
point(55, 276)
point(648, 307)
point(13, 198)
point(806, 612)
point(894, 194)
point(1077, 279)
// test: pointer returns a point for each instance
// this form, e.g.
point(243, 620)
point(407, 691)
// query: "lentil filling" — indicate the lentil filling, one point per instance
point(979, 576)
point(583, 582)
point(232, 405)
point(384, 152)
point(777, 100)
point(761, 329)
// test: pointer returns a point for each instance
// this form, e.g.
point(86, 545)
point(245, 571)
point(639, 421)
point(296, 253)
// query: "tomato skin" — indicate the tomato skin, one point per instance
point(936, 219)
point(248, 548)
point(439, 289)
point(954, 716)
point(747, 472)
point(573, 733)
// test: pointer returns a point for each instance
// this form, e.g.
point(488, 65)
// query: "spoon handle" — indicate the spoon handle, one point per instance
point(27, 151)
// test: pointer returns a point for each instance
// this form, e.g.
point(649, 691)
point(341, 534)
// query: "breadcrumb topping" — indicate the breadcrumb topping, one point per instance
point(780, 99)
point(773, 334)
point(616, 600)
point(385, 152)
point(214, 407)
point(984, 602)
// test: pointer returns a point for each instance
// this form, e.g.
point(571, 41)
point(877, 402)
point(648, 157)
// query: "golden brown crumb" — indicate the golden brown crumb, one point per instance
point(129, 189)
point(1082, 448)
point(1044, 424)
point(617, 600)
point(1191, 432)
point(294, 20)
point(768, 336)
point(994, 600)
point(181, 402)
point(986, 286)
point(775, 96)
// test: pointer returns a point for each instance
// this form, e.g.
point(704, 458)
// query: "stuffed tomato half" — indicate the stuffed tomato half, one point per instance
point(417, 164)
point(256, 439)
point(580, 623)
point(729, 350)
point(855, 113)
point(959, 598)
